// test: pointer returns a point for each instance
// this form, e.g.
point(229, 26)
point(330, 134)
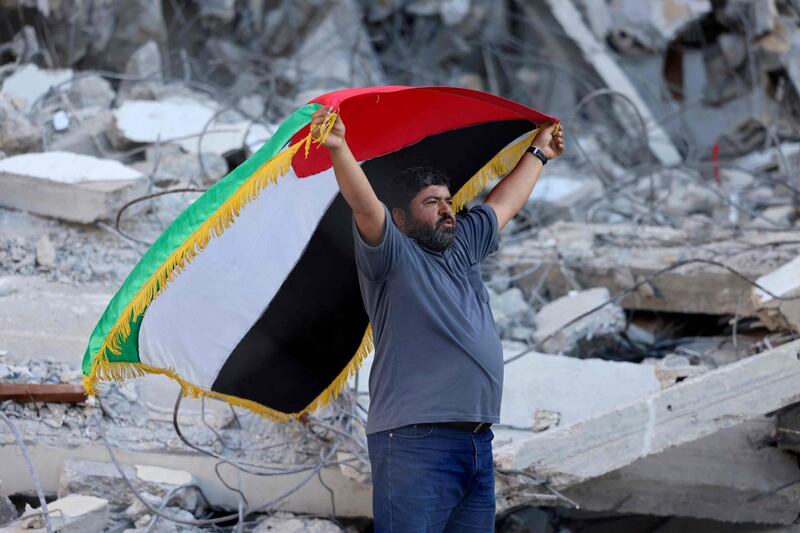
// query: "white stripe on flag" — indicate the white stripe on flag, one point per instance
point(195, 324)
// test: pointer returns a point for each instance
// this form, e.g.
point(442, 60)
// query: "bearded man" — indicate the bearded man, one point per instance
point(437, 377)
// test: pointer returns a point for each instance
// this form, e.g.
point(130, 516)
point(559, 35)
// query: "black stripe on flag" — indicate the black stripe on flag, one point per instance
point(315, 323)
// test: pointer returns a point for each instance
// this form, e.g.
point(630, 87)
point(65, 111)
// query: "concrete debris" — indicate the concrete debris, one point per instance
point(91, 91)
point(74, 513)
point(169, 165)
point(731, 476)
point(675, 368)
point(8, 511)
point(555, 334)
point(336, 50)
point(687, 411)
point(782, 307)
point(187, 123)
point(74, 187)
point(92, 478)
point(544, 420)
point(288, 523)
point(604, 65)
point(17, 132)
point(645, 27)
point(45, 253)
point(623, 257)
point(563, 196)
point(30, 83)
point(679, 185)
point(538, 384)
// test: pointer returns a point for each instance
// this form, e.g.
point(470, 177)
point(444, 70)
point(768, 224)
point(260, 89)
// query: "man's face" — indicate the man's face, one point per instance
point(430, 219)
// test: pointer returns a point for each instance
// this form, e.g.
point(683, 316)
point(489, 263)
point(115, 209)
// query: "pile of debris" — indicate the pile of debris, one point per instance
point(647, 296)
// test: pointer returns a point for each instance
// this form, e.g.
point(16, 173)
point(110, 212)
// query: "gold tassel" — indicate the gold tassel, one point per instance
point(501, 164)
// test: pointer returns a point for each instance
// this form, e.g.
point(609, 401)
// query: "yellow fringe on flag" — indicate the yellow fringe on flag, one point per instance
point(105, 370)
point(500, 165)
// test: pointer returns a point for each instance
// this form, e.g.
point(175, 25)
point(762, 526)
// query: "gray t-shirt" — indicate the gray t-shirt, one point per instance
point(438, 356)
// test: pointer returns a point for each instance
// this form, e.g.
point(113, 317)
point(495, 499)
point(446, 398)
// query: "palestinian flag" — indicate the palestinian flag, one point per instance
point(251, 295)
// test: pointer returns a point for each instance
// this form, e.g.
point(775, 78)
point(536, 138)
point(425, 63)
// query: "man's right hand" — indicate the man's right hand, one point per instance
point(335, 139)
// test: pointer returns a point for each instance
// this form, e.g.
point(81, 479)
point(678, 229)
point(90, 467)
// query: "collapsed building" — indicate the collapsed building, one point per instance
point(648, 296)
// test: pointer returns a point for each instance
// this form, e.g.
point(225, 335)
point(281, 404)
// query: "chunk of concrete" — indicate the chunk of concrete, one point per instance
point(565, 197)
point(783, 282)
point(574, 388)
point(91, 91)
point(685, 412)
point(74, 513)
point(675, 368)
point(289, 523)
point(180, 121)
point(93, 478)
point(170, 165)
point(555, 336)
point(619, 256)
point(30, 83)
point(73, 187)
point(17, 132)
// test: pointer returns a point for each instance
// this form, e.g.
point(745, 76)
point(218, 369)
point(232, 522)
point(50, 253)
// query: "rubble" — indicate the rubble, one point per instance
point(103, 479)
point(74, 513)
point(687, 411)
point(285, 522)
point(68, 186)
point(557, 333)
point(782, 309)
point(624, 257)
point(678, 191)
point(30, 83)
point(187, 123)
point(17, 132)
point(537, 384)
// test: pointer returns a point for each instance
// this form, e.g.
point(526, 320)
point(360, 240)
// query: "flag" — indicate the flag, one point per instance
point(251, 295)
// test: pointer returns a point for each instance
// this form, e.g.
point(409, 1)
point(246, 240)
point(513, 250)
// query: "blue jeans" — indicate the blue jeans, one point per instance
point(431, 478)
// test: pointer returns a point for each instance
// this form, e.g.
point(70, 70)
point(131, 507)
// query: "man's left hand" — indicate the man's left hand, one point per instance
point(550, 140)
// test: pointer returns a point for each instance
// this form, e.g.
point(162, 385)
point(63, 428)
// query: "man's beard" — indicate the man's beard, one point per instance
point(437, 238)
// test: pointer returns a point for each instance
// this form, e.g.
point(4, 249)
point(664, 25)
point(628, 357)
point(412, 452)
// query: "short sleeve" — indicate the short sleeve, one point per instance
point(480, 232)
point(375, 262)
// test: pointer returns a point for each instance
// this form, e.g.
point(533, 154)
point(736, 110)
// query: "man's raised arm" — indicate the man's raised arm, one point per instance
point(368, 211)
point(508, 196)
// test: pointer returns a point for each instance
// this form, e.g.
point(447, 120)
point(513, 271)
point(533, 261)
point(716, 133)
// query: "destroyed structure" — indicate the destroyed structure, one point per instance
point(648, 295)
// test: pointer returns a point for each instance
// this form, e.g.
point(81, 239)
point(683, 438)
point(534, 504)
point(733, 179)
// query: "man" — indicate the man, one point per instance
point(437, 378)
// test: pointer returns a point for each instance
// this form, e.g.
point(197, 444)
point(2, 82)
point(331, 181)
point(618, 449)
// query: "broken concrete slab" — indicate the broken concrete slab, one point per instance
point(73, 187)
point(555, 336)
point(731, 476)
point(687, 411)
point(575, 388)
point(93, 478)
point(783, 282)
point(30, 83)
point(618, 256)
point(17, 132)
point(176, 120)
point(74, 513)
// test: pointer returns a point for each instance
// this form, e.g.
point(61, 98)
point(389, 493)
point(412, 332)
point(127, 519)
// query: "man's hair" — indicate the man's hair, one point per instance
point(410, 181)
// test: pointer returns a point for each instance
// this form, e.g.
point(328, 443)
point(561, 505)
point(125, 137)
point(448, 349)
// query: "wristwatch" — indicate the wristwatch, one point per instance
point(535, 150)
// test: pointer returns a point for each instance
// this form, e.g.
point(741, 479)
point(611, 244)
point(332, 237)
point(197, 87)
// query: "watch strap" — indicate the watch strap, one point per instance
point(535, 150)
